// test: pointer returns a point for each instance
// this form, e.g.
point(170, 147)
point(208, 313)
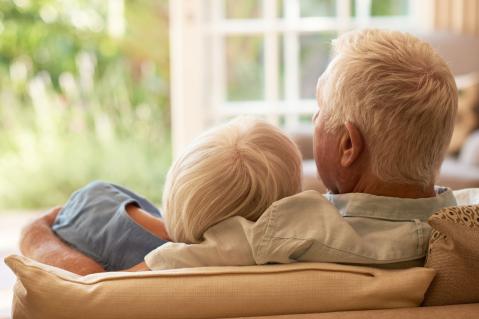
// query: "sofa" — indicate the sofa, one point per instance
point(446, 287)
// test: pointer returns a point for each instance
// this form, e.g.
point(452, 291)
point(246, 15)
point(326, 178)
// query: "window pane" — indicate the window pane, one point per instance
point(244, 9)
point(385, 7)
point(244, 68)
point(318, 8)
point(315, 55)
point(305, 119)
point(389, 7)
point(280, 8)
point(281, 68)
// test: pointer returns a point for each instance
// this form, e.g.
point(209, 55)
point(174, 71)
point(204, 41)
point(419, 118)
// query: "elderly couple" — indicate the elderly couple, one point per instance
point(386, 110)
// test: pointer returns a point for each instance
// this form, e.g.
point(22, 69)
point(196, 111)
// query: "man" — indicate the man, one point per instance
point(387, 105)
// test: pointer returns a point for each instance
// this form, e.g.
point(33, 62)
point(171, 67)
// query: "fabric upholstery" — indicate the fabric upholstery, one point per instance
point(454, 254)
point(44, 291)
point(468, 311)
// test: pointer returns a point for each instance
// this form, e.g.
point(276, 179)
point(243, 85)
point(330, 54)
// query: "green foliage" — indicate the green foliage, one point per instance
point(384, 7)
point(245, 71)
point(244, 9)
point(77, 104)
point(389, 7)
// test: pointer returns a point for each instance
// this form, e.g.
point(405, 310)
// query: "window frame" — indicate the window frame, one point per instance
point(198, 80)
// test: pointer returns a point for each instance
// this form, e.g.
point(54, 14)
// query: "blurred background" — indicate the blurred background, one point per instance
point(114, 89)
point(84, 94)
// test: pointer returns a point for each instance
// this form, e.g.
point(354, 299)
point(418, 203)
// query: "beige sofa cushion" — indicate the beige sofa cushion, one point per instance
point(454, 254)
point(468, 311)
point(43, 291)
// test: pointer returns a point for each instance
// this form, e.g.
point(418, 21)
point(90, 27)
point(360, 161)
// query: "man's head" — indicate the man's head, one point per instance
point(237, 169)
point(387, 105)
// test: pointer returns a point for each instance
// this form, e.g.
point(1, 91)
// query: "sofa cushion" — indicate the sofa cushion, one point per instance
point(44, 291)
point(439, 312)
point(454, 254)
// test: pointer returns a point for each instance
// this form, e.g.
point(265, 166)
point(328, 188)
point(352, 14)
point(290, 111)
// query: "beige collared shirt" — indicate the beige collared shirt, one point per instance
point(351, 228)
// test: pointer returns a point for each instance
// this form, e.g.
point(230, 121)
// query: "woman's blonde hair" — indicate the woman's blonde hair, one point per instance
point(400, 94)
point(236, 169)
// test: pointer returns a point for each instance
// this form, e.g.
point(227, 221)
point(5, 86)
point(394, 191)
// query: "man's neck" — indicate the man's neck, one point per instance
point(374, 186)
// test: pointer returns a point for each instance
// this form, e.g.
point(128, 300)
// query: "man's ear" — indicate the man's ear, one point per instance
point(351, 144)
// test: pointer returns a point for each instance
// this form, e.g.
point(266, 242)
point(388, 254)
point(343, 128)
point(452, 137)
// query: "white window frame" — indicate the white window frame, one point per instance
point(197, 32)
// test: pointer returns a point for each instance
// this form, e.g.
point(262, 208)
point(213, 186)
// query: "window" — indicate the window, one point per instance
point(263, 57)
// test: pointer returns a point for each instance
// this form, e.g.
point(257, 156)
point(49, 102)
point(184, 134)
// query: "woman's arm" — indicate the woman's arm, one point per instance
point(149, 222)
point(38, 242)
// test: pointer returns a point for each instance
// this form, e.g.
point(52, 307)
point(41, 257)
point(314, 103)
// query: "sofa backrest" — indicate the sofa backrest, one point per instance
point(44, 291)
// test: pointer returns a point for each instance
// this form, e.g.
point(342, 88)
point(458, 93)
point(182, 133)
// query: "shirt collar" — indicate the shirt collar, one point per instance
point(392, 208)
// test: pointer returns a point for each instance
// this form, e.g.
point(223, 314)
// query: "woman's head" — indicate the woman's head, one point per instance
point(236, 169)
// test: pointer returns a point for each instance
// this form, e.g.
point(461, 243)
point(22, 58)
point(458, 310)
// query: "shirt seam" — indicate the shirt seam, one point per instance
point(267, 232)
point(420, 236)
point(366, 216)
point(443, 199)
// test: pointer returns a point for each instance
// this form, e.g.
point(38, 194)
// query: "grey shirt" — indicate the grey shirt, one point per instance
point(353, 228)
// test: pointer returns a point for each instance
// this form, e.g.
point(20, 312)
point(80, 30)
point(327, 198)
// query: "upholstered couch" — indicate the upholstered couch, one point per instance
point(295, 290)
point(448, 285)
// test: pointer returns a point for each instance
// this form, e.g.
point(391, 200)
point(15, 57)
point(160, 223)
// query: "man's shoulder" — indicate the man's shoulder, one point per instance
point(309, 198)
point(308, 210)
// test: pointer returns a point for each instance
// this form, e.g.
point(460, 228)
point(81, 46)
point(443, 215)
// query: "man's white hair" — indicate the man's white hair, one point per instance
point(400, 94)
point(237, 169)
